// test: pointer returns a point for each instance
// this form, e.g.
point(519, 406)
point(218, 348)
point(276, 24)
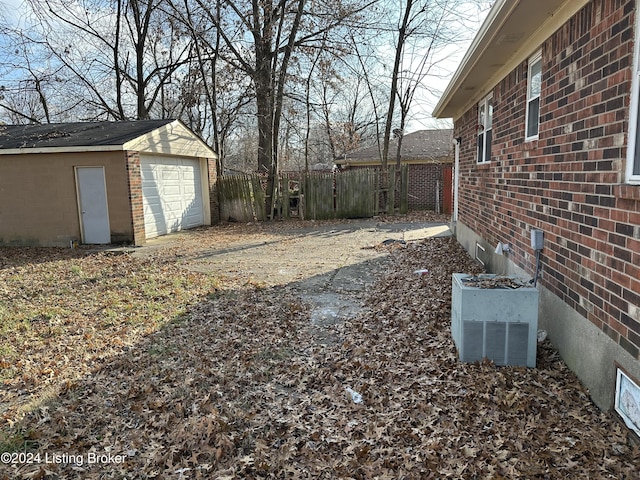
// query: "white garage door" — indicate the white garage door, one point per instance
point(171, 194)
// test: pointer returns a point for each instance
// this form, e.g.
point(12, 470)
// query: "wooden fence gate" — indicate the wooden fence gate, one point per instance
point(356, 193)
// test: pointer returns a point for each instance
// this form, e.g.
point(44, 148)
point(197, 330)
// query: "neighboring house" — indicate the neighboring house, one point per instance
point(103, 182)
point(545, 108)
point(429, 154)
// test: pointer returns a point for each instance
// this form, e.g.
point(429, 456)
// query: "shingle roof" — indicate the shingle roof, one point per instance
point(421, 145)
point(81, 134)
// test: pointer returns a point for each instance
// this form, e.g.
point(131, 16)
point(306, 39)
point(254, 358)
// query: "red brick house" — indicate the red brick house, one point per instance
point(429, 155)
point(545, 107)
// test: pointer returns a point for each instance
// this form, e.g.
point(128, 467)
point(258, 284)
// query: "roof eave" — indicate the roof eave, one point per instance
point(478, 45)
point(503, 42)
point(68, 149)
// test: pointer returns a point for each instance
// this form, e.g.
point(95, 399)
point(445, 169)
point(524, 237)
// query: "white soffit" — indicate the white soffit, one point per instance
point(512, 31)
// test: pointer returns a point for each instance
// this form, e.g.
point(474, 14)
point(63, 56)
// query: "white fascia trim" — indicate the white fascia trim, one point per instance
point(77, 149)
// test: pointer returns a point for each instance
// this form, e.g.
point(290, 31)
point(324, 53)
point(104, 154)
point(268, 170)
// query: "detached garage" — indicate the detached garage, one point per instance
point(103, 182)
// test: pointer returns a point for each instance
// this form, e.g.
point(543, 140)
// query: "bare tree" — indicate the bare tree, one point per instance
point(29, 90)
point(425, 30)
point(260, 38)
point(213, 94)
point(339, 103)
point(366, 63)
point(116, 56)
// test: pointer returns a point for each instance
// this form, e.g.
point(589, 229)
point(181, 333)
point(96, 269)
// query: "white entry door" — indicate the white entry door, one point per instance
point(92, 201)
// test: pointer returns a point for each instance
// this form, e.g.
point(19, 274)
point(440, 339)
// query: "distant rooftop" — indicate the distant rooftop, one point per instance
point(423, 145)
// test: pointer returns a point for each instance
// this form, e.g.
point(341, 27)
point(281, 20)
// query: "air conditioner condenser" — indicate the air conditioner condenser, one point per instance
point(500, 324)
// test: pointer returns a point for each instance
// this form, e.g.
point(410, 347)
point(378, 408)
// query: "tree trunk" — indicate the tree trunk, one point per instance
point(392, 98)
point(264, 108)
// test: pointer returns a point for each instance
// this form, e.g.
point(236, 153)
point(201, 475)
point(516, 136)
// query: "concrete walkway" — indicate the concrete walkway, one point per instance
point(329, 266)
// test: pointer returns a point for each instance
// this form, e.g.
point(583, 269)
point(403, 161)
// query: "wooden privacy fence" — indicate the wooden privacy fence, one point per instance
point(317, 196)
point(242, 198)
point(357, 193)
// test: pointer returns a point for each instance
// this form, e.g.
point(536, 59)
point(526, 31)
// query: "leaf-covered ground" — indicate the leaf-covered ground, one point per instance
point(64, 312)
point(239, 387)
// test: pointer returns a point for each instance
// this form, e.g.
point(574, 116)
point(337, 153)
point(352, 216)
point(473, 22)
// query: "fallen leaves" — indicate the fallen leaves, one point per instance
point(65, 311)
point(239, 387)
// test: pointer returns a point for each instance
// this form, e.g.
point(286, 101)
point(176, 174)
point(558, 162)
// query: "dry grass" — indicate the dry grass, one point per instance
point(64, 312)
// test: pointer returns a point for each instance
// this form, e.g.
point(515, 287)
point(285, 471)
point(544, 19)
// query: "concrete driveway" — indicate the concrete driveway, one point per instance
point(328, 265)
point(277, 255)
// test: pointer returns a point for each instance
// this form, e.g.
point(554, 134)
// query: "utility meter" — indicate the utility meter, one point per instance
point(537, 239)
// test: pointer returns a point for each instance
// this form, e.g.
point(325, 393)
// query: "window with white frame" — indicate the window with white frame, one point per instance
point(485, 124)
point(633, 147)
point(533, 96)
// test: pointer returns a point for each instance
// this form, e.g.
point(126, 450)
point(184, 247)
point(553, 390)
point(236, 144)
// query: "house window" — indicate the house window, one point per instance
point(633, 148)
point(485, 123)
point(533, 96)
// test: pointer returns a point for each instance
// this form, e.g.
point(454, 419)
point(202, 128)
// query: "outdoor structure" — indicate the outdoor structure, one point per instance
point(545, 107)
point(103, 182)
point(429, 154)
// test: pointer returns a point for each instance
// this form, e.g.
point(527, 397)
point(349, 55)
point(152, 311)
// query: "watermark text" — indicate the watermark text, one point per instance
point(89, 458)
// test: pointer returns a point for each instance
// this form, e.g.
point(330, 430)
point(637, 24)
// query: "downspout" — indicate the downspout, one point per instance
point(456, 179)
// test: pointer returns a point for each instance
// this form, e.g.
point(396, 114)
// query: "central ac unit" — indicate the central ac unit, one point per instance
point(499, 324)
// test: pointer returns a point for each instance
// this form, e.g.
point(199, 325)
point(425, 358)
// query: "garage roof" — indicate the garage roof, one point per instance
point(149, 136)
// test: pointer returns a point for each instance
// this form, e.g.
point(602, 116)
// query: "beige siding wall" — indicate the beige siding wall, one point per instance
point(172, 139)
point(38, 201)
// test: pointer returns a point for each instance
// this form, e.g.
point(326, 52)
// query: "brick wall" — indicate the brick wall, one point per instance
point(424, 178)
point(568, 182)
point(134, 177)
